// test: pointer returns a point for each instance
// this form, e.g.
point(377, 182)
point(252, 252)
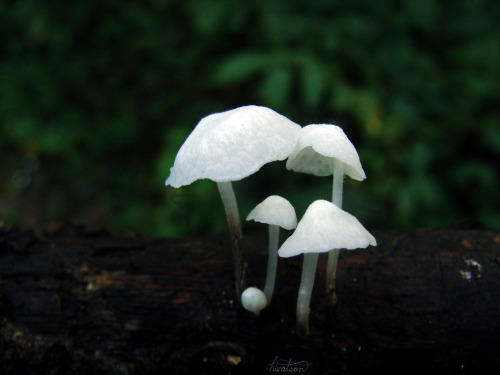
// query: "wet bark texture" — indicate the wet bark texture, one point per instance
point(82, 301)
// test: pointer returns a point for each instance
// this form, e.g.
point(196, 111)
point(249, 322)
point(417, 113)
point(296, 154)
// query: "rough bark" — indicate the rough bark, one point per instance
point(83, 301)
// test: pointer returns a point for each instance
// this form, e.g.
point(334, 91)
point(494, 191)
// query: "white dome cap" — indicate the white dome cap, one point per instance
point(317, 148)
point(274, 210)
point(232, 145)
point(325, 227)
point(253, 299)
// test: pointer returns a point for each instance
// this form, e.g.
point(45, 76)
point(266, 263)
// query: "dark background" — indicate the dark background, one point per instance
point(96, 97)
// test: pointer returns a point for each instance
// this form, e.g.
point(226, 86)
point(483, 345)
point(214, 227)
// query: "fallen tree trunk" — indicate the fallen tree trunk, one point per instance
point(79, 301)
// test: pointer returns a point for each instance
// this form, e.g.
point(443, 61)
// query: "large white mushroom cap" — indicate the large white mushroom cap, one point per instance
point(274, 210)
point(232, 145)
point(324, 227)
point(318, 147)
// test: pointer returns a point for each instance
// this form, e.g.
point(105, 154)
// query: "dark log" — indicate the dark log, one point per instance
point(78, 301)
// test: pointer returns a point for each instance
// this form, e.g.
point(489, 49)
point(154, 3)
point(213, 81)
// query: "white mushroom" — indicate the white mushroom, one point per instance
point(277, 212)
point(324, 226)
point(230, 146)
point(325, 150)
point(253, 299)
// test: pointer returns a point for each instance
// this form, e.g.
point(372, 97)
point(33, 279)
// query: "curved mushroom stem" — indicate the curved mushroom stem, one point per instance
point(305, 292)
point(233, 219)
point(272, 262)
point(333, 255)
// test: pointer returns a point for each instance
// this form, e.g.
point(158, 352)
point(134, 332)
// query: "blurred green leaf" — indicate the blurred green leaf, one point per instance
point(316, 80)
point(275, 88)
point(240, 68)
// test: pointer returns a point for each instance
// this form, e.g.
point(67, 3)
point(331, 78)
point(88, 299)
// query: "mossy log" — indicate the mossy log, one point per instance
point(81, 301)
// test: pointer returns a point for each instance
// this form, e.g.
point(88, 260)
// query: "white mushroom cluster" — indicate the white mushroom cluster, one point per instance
point(232, 145)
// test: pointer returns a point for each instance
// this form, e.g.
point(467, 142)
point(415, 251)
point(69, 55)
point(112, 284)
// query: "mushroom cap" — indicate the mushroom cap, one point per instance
point(318, 147)
point(325, 227)
point(232, 145)
point(274, 210)
point(253, 299)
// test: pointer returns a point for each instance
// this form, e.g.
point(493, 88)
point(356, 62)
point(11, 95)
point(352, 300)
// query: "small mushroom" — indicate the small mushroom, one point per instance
point(254, 300)
point(325, 150)
point(324, 226)
point(230, 146)
point(277, 212)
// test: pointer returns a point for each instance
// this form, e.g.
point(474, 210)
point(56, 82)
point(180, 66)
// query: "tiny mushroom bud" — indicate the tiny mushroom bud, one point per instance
point(254, 300)
point(230, 146)
point(324, 150)
point(324, 226)
point(277, 212)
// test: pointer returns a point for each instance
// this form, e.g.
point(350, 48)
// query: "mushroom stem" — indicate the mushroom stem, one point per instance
point(331, 272)
point(233, 219)
point(272, 262)
point(305, 292)
point(333, 255)
point(338, 183)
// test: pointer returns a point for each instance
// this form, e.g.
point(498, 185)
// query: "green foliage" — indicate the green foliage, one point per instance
point(97, 97)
